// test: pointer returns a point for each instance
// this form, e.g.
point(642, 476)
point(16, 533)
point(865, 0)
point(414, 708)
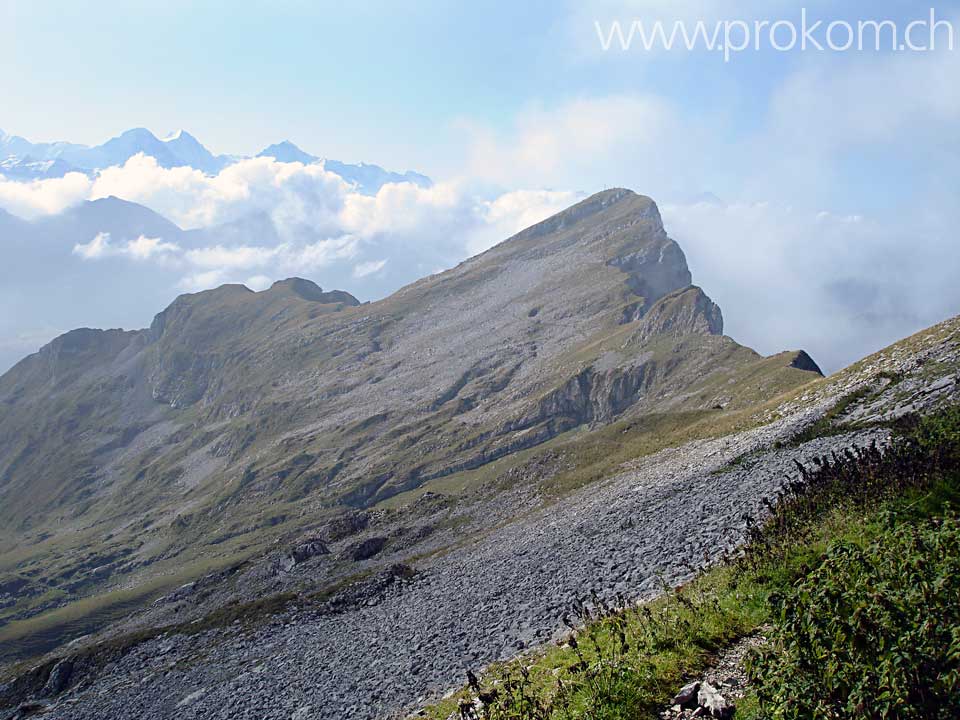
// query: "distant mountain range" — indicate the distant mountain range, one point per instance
point(23, 160)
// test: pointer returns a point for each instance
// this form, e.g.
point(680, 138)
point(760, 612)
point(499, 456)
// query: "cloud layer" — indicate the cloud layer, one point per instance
point(837, 286)
point(314, 219)
point(255, 222)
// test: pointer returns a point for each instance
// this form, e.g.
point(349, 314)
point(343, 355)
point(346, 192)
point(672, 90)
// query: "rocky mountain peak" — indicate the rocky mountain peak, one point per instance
point(258, 410)
point(286, 151)
point(309, 290)
point(624, 204)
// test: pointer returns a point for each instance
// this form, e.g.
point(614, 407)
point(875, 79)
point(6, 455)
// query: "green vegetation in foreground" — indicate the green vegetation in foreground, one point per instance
point(873, 632)
point(855, 570)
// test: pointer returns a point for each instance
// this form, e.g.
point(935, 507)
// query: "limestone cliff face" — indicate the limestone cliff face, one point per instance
point(592, 395)
point(683, 312)
point(599, 393)
point(655, 270)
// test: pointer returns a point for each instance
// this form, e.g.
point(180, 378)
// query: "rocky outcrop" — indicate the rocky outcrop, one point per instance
point(683, 312)
point(345, 525)
point(655, 270)
point(804, 362)
point(590, 396)
point(59, 677)
point(303, 551)
point(597, 395)
point(366, 549)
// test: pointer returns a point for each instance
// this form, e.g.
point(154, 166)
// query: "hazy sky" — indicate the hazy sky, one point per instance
point(833, 176)
point(412, 84)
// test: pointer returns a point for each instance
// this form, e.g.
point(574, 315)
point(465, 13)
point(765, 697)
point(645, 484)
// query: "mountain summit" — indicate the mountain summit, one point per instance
point(367, 178)
point(239, 416)
point(286, 151)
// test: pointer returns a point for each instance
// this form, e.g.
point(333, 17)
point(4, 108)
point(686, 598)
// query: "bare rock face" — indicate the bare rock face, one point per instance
point(303, 551)
point(366, 549)
point(59, 677)
point(805, 362)
point(590, 396)
point(655, 270)
point(683, 312)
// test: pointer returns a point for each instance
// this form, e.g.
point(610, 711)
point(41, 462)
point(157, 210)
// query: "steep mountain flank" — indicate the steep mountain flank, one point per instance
point(442, 583)
point(241, 417)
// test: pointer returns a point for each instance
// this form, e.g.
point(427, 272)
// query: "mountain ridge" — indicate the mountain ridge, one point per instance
point(239, 418)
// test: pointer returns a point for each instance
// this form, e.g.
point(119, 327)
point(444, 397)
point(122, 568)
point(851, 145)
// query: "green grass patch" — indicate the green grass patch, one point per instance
point(872, 631)
point(28, 639)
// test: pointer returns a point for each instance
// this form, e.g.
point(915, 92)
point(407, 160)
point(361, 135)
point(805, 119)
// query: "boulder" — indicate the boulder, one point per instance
point(59, 677)
point(301, 553)
point(366, 549)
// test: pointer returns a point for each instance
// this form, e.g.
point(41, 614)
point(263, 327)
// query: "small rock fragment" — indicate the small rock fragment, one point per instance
point(687, 697)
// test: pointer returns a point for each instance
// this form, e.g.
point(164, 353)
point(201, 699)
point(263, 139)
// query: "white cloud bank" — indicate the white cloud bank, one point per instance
point(35, 199)
point(837, 286)
point(363, 269)
point(315, 220)
point(301, 200)
point(143, 248)
point(592, 141)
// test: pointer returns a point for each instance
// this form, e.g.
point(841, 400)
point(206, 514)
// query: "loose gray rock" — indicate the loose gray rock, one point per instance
point(687, 697)
point(711, 700)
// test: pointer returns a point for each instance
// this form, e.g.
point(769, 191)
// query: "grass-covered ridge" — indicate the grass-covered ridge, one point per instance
point(834, 543)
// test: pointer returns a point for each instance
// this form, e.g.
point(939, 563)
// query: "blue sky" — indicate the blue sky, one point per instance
point(836, 173)
point(345, 72)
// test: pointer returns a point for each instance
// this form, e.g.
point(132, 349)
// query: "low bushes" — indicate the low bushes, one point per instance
point(873, 632)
